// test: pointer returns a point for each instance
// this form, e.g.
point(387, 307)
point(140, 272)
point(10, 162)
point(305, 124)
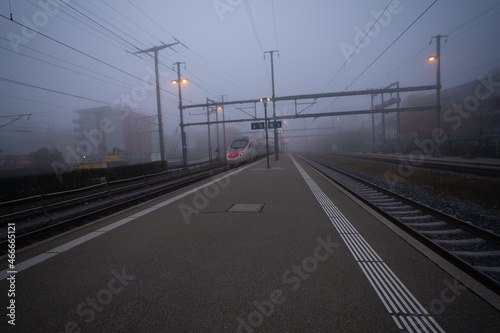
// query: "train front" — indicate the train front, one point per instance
point(236, 152)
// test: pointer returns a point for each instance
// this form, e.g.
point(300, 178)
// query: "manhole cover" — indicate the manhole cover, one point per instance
point(246, 208)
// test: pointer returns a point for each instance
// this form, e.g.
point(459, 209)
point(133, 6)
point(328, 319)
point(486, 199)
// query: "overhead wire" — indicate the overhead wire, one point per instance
point(125, 29)
point(102, 26)
point(451, 38)
point(35, 101)
point(82, 53)
point(158, 25)
point(383, 52)
point(239, 82)
point(60, 59)
point(50, 90)
point(202, 57)
point(72, 15)
point(254, 27)
point(473, 19)
point(416, 55)
point(129, 20)
point(390, 45)
point(65, 68)
point(218, 69)
point(357, 46)
point(277, 43)
point(29, 85)
point(256, 33)
point(472, 69)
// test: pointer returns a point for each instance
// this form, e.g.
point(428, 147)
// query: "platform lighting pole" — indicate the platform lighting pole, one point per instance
point(265, 100)
point(217, 146)
point(217, 149)
point(223, 123)
point(384, 151)
point(183, 135)
point(158, 104)
point(276, 145)
point(437, 58)
point(373, 126)
point(209, 138)
point(398, 120)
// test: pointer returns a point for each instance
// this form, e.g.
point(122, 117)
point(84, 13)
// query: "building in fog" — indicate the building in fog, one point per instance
point(99, 130)
point(469, 118)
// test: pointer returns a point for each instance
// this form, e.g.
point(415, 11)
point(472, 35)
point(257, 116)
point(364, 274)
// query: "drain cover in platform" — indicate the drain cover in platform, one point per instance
point(246, 208)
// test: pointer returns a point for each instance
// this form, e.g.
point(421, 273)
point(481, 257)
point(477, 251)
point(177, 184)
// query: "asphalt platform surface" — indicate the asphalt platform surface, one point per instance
point(251, 250)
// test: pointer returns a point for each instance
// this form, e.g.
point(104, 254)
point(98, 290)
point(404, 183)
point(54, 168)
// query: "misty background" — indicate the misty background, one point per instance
point(59, 57)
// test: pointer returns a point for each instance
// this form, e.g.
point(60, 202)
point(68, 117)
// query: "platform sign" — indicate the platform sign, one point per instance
point(274, 124)
point(258, 125)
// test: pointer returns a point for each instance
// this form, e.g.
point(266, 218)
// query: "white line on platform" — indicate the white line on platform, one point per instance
point(397, 299)
point(62, 248)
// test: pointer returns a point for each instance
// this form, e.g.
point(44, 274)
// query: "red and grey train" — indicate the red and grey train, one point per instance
point(245, 149)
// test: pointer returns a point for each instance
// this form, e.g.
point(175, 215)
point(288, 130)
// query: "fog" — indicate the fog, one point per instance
point(59, 57)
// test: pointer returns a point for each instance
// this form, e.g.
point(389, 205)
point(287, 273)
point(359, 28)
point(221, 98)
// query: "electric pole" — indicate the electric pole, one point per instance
point(224, 123)
point(217, 146)
point(183, 135)
point(158, 103)
point(209, 138)
point(438, 89)
point(276, 144)
point(373, 125)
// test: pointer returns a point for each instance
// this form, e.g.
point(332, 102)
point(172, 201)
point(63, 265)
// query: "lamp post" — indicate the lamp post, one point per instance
point(221, 108)
point(438, 98)
point(340, 134)
point(179, 81)
point(437, 58)
point(265, 100)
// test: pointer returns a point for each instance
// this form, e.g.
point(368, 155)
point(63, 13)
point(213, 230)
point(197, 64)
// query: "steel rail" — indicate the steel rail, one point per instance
point(481, 276)
point(487, 170)
point(73, 219)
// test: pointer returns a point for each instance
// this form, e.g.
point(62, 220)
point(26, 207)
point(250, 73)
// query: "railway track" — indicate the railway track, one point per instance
point(422, 161)
point(471, 248)
point(55, 213)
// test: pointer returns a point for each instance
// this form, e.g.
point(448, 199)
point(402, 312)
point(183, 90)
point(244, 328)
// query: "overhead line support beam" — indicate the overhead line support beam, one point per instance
point(323, 95)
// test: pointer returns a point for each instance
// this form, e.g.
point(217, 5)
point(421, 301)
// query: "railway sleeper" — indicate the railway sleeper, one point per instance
point(477, 254)
point(403, 212)
point(414, 218)
point(382, 200)
point(396, 205)
point(441, 232)
point(488, 269)
point(459, 241)
point(427, 224)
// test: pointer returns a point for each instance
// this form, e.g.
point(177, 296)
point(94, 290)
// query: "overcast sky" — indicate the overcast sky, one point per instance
point(84, 52)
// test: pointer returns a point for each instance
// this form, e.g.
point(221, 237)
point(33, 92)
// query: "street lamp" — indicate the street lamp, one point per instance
point(438, 97)
point(183, 135)
point(340, 134)
point(265, 100)
point(437, 58)
point(220, 108)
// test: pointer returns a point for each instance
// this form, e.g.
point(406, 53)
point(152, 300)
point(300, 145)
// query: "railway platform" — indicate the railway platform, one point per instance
point(255, 249)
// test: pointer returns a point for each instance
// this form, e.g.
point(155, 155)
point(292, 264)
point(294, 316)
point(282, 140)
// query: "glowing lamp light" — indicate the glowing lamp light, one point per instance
point(432, 58)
